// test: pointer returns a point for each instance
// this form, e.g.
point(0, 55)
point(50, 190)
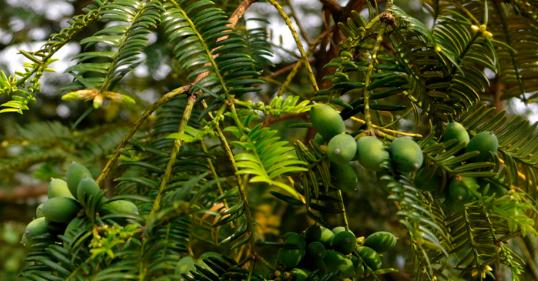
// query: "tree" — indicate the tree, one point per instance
point(193, 188)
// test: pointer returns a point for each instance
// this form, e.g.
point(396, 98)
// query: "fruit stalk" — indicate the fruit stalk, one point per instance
point(343, 206)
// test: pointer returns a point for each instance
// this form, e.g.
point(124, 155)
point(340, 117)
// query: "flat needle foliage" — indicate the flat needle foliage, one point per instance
point(253, 162)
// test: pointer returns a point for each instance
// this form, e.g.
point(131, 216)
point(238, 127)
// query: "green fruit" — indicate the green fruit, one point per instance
point(60, 209)
point(87, 189)
point(461, 188)
point(486, 143)
point(318, 233)
point(300, 274)
point(339, 229)
point(326, 236)
point(370, 257)
point(428, 181)
point(344, 177)
point(342, 149)
point(336, 261)
point(312, 233)
point(294, 250)
point(315, 251)
point(381, 241)
point(455, 130)
point(76, 172)
point(293, 240)
point(39, 210)
point(326, 120)
point(290, 258)
point(120, 207)
point(36, 227)
point(344, 242)
point(371, 153)
point(406, 154)
point(58, 188)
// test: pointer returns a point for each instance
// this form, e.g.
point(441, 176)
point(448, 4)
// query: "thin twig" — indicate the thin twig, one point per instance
point(23, 192)
point(298, 65)
point(295, 35)
point(178, 142)
point(296, 18)
point(163, 100)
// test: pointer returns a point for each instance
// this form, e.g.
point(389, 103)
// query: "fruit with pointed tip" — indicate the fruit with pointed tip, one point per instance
point(58, 188)
point(326, 120)
point(120, 207)
point(60, 209)
point(75, 173)
point(455, 130)
point(484, 142)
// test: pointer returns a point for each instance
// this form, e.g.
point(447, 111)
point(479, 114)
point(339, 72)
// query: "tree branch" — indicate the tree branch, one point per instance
point(23, 192)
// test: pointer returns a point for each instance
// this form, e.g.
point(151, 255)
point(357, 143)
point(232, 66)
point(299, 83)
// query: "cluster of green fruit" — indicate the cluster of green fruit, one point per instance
point(461, 188)
point(338, 251)
point(404, 153)
point(66, 199)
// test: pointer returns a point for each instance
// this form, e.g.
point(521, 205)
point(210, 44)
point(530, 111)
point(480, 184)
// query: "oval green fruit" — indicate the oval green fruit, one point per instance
point(120, 207)
point(315, 251)
point(344, 177)
point(484, 142)
point(370, 257)
point(60, 209)
point(39, 210)
point(406, 154)
point(326, 236)
point(345, 242)
point(461, 189)
point(87, 189)
point(326, 120)
point(75, 173)
point(381, 241)
point(371, 153)
point(293, 240)
point(336, 261)
point(290, 258)
point(338, 229)
point(342, 149)
point(455, 130)
point(36, 227)
point(58, 188)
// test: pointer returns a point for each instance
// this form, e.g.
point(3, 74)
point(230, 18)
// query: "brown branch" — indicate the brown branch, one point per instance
point(239, 12)
point(332, 6)
point(23, 192)
point(274, 119)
